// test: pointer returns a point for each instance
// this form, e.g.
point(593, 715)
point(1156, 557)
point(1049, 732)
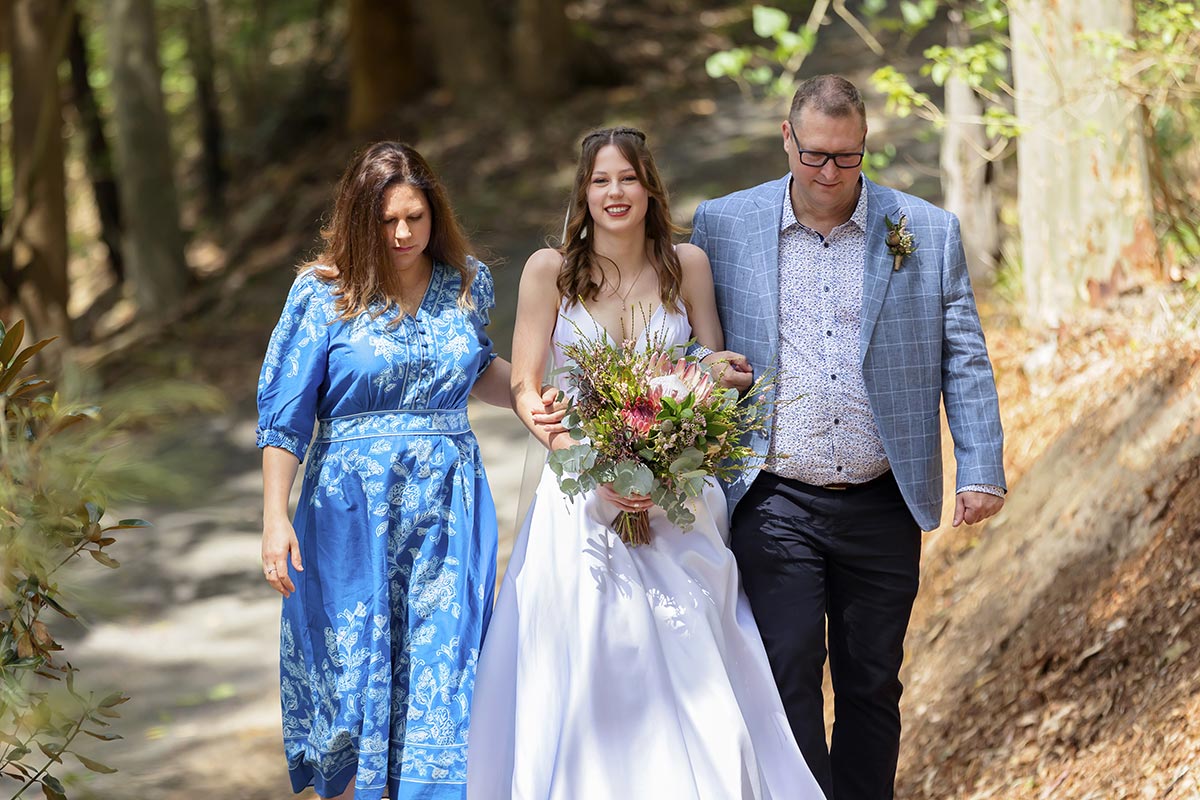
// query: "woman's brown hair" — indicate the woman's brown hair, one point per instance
point(575, 280)
point(354, 242)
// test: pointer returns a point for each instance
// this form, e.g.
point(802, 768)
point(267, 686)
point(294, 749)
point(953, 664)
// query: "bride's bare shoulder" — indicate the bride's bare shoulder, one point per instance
point(691, 257)
point(546, 261)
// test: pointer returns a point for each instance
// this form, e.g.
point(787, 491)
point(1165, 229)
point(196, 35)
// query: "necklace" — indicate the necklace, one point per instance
point(625, 296)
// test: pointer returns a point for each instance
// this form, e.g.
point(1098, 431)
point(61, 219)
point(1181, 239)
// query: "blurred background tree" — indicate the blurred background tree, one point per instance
point(164, 98)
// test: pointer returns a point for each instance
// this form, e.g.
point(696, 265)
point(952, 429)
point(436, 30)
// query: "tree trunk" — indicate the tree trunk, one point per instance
point(387, 64)
point(99, 158)
point(1082, 192)
point(466, 52)
point(38, 223)
point(200, 53)
point(541, 50)
point(966, 188)
point(154, 244)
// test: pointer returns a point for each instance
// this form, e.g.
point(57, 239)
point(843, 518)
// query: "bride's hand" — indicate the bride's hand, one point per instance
point(638, 502)
point(731, 370)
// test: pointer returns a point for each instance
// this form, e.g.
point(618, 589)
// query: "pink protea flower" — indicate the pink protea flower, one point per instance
point(678, 379)
point(640, 414)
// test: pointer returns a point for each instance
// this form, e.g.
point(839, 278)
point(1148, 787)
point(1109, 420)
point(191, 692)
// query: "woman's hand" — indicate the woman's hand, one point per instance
point(549, 415)
point(730, 369)
point(279, 541)
point(638, 502)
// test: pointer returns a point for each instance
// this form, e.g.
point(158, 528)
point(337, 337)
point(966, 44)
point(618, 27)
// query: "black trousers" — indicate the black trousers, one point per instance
point(852, 557)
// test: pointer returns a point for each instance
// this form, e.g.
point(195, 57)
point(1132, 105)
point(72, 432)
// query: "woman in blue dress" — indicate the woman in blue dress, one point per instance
point(388, 570)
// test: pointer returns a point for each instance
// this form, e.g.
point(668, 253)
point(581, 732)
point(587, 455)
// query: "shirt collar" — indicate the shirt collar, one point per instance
point(859, 217)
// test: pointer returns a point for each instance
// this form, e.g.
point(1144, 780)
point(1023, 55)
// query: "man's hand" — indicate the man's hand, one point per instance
point(731, 370)
point(972, 507)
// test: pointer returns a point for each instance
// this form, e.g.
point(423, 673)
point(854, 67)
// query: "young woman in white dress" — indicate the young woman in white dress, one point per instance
point(612, 671)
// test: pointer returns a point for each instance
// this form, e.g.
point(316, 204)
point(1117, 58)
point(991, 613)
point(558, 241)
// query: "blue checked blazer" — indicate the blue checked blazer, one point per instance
point(920, 344)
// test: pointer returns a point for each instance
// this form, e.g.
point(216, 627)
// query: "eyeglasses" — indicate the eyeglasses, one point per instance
point(608, 133)
point(817, 158)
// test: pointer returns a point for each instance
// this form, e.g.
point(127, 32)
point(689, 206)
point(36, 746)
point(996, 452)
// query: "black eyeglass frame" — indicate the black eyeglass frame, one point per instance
point(801, 153)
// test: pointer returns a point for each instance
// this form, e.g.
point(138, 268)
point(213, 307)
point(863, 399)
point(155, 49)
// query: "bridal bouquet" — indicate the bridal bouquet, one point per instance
point(650, 424)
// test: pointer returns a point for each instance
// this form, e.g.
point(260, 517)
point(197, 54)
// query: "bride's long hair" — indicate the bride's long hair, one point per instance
point(575, 277)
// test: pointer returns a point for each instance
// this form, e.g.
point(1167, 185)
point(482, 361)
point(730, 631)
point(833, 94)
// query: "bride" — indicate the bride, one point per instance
point(611, 671)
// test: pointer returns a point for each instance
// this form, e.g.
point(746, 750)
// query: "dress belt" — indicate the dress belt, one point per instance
point(397, 422)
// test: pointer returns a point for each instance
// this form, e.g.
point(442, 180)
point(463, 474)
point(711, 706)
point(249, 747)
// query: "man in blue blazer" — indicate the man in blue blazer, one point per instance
point(856, 296)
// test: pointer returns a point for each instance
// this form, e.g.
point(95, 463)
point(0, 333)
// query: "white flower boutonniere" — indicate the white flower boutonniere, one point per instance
point(900, 242)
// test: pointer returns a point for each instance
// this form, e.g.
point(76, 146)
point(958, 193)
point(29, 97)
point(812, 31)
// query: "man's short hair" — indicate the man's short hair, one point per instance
point(831, 95)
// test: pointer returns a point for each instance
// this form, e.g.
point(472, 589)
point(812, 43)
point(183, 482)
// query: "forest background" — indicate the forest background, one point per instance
point(164, 165)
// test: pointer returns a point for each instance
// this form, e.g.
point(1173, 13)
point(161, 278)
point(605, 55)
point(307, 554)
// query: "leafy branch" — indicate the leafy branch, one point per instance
point(50, 514)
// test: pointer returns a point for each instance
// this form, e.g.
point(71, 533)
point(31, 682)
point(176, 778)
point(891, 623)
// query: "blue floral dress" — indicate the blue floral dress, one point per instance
point(397, 531)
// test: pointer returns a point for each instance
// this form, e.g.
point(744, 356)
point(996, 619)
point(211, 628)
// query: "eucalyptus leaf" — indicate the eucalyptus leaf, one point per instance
point(633, 478)
point(688, 460)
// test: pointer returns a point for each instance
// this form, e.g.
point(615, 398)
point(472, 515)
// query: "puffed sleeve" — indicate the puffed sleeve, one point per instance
point(483, 292)
point(294, 369)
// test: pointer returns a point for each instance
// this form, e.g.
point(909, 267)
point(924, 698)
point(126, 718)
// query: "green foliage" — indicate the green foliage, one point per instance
point(916, 15)
point(874, 163)
point(1158, 67)
point(771, 66)
point(48, 516)
point(983, 64)
point(54, 484)
point(901, 98)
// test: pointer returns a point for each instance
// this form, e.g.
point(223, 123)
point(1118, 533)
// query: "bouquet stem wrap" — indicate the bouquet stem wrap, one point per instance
point(633, 527)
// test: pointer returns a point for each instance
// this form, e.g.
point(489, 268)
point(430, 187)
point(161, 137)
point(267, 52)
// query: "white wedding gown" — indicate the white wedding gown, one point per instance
point(621, 673)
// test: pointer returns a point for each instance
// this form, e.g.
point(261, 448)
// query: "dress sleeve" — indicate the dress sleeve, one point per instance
point(294, 370)
point(483, 292)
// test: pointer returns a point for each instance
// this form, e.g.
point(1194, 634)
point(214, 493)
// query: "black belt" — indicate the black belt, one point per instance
point(839, 487)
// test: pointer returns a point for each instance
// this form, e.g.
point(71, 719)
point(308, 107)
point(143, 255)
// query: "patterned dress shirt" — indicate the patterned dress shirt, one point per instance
point(824, 432)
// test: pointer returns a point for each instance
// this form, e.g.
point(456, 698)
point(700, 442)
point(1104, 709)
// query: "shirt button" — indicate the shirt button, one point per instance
point(827, 288)
point(839, 469)
point(825, 243)
point(829, 333)
point(833, 377)
point(837, 422)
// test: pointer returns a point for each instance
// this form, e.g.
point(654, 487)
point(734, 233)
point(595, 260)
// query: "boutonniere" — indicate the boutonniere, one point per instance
point(900, 242)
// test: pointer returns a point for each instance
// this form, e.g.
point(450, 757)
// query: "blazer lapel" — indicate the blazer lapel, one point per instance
point(764, 248)
point(877, 269)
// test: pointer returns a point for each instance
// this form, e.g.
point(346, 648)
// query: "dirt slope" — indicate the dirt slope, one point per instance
point(1053, 653)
